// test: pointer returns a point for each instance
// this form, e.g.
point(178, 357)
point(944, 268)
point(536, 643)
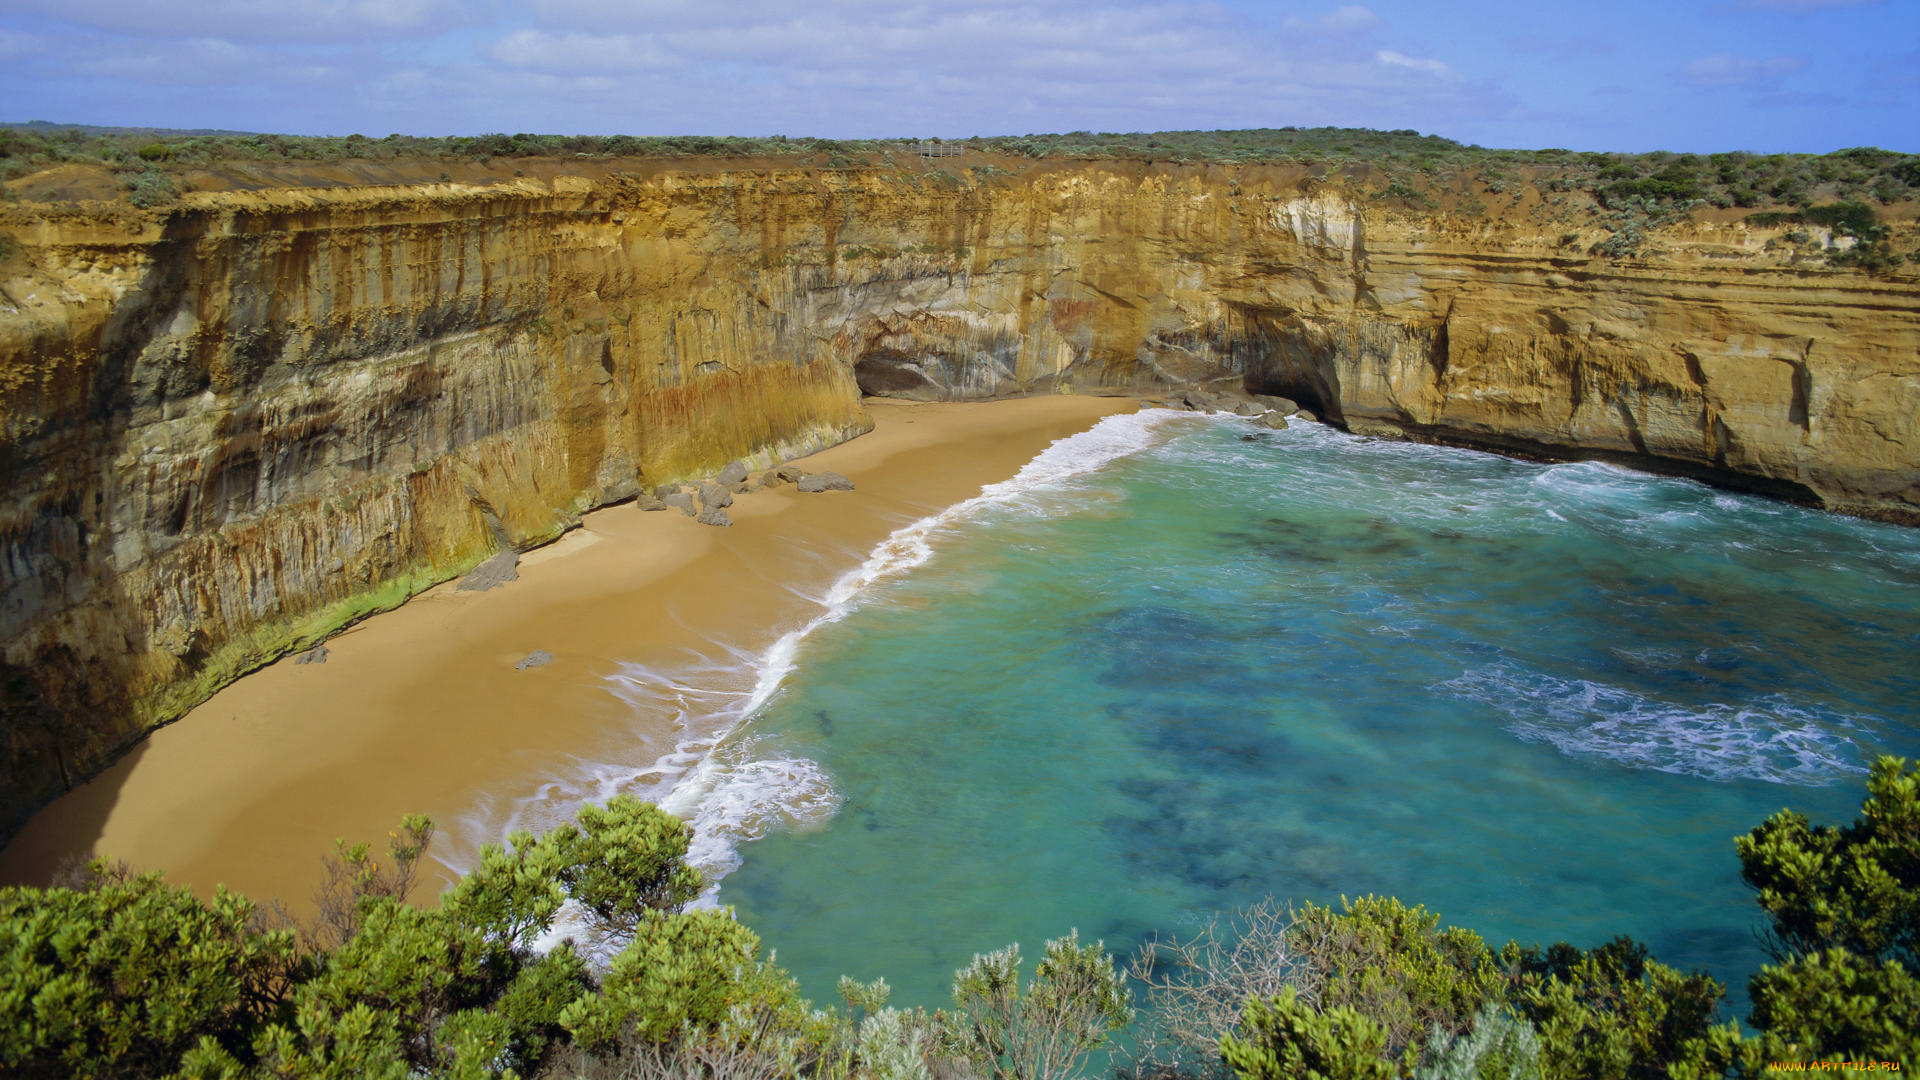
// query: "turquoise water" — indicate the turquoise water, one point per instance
point(1539, 699)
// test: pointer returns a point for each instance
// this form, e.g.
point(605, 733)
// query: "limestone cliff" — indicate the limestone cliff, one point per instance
point(230, 425)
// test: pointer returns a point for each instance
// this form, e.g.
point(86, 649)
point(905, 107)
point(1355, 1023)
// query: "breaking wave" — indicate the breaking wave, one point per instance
point(1771, 738)
point(712, 777)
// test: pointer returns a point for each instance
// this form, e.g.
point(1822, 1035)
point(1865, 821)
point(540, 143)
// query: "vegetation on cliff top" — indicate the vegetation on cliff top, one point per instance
point(125, 976)
point(1405, 158)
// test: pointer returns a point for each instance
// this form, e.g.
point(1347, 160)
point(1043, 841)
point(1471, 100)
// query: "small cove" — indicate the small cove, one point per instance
point(1539, 699)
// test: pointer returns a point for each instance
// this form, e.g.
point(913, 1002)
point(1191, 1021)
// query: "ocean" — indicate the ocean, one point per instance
point(1182, 663)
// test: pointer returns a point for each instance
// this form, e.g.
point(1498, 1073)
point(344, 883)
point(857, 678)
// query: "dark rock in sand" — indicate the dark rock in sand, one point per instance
point(734, 473)
point(493, 573)
point(714, 496)
point(768, 479)
point(713, 515)
point(1273, 420)
point(536, 658)
point(680, 501)
point(825, 481)
point(790, 473)
point(315, 655)
point(665, 490)
point(647, 500)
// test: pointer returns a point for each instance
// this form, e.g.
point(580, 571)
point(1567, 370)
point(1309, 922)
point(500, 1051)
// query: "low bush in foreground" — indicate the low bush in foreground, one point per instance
point(125, 976)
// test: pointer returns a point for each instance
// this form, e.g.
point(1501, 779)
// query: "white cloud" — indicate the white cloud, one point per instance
point(1350, 19)
point(845, 68)
point(252, 20)
point(863, 66)
point(1413, 63)
point(1726, 69)
point(16, 45)
point(573, 53)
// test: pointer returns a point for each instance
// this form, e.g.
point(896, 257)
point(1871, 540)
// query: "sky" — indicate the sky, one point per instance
point(1619, 75)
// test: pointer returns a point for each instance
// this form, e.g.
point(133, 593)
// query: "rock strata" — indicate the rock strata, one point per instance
point(232, 425)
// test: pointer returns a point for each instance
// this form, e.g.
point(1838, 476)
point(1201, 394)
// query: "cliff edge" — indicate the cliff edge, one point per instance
point(231, 423)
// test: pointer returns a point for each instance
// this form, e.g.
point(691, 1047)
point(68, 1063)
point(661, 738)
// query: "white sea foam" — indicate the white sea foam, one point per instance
point(1770, 738)
point(730, 797)
point(712, 777)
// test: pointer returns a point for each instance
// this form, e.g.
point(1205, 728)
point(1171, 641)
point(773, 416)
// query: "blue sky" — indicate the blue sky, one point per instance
point(1699, 75)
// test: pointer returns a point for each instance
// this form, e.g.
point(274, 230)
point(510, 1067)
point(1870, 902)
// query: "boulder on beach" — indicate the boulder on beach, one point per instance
point(714, 496)
point(713, 515)
point(824, 481)
point(315, 655)
point(647, 500)
point(734, 473)
point(1273, 420)
point(790, 473)
point(493, 573)
point(1283, 406)
point(681, 501)
point(768, 479)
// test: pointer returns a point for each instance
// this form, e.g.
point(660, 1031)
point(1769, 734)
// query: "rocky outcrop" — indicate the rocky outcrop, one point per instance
point(230, 426)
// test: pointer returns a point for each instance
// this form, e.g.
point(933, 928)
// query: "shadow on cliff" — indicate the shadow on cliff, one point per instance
point(56, 807)
point(1280, 354)
point(67, 693)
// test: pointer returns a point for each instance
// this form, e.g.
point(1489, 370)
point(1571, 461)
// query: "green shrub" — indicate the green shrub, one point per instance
point(126, 977)
point(1284, 1039)
point(1398, 966)
point(1612, 1013)
point(1075, 1001)
point(1843, 905)
point(626, 860)
point(680, 970)
point(1846, 218)
point(150, 187)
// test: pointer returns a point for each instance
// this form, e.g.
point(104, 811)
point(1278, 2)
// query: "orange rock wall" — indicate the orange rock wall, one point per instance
point(230, 426)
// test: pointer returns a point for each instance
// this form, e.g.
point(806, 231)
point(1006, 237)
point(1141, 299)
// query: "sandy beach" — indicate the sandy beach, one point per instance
point(422, 709)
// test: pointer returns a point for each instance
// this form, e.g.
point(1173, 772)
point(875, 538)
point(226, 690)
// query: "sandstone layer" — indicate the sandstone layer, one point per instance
point(232, 424)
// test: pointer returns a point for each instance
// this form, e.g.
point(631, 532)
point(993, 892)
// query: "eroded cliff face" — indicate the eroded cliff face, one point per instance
point(231, 426)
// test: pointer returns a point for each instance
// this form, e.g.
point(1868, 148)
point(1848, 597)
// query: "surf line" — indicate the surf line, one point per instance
point(712, 779)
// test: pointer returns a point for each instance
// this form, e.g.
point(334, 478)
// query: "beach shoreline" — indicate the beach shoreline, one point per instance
point(423, 709)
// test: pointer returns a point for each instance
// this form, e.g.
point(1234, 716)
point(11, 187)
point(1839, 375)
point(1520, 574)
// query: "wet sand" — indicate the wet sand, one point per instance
point(422, 709)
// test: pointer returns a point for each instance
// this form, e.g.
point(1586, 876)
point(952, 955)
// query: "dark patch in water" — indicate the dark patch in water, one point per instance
point(1157, 647)
point(1714, 946)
